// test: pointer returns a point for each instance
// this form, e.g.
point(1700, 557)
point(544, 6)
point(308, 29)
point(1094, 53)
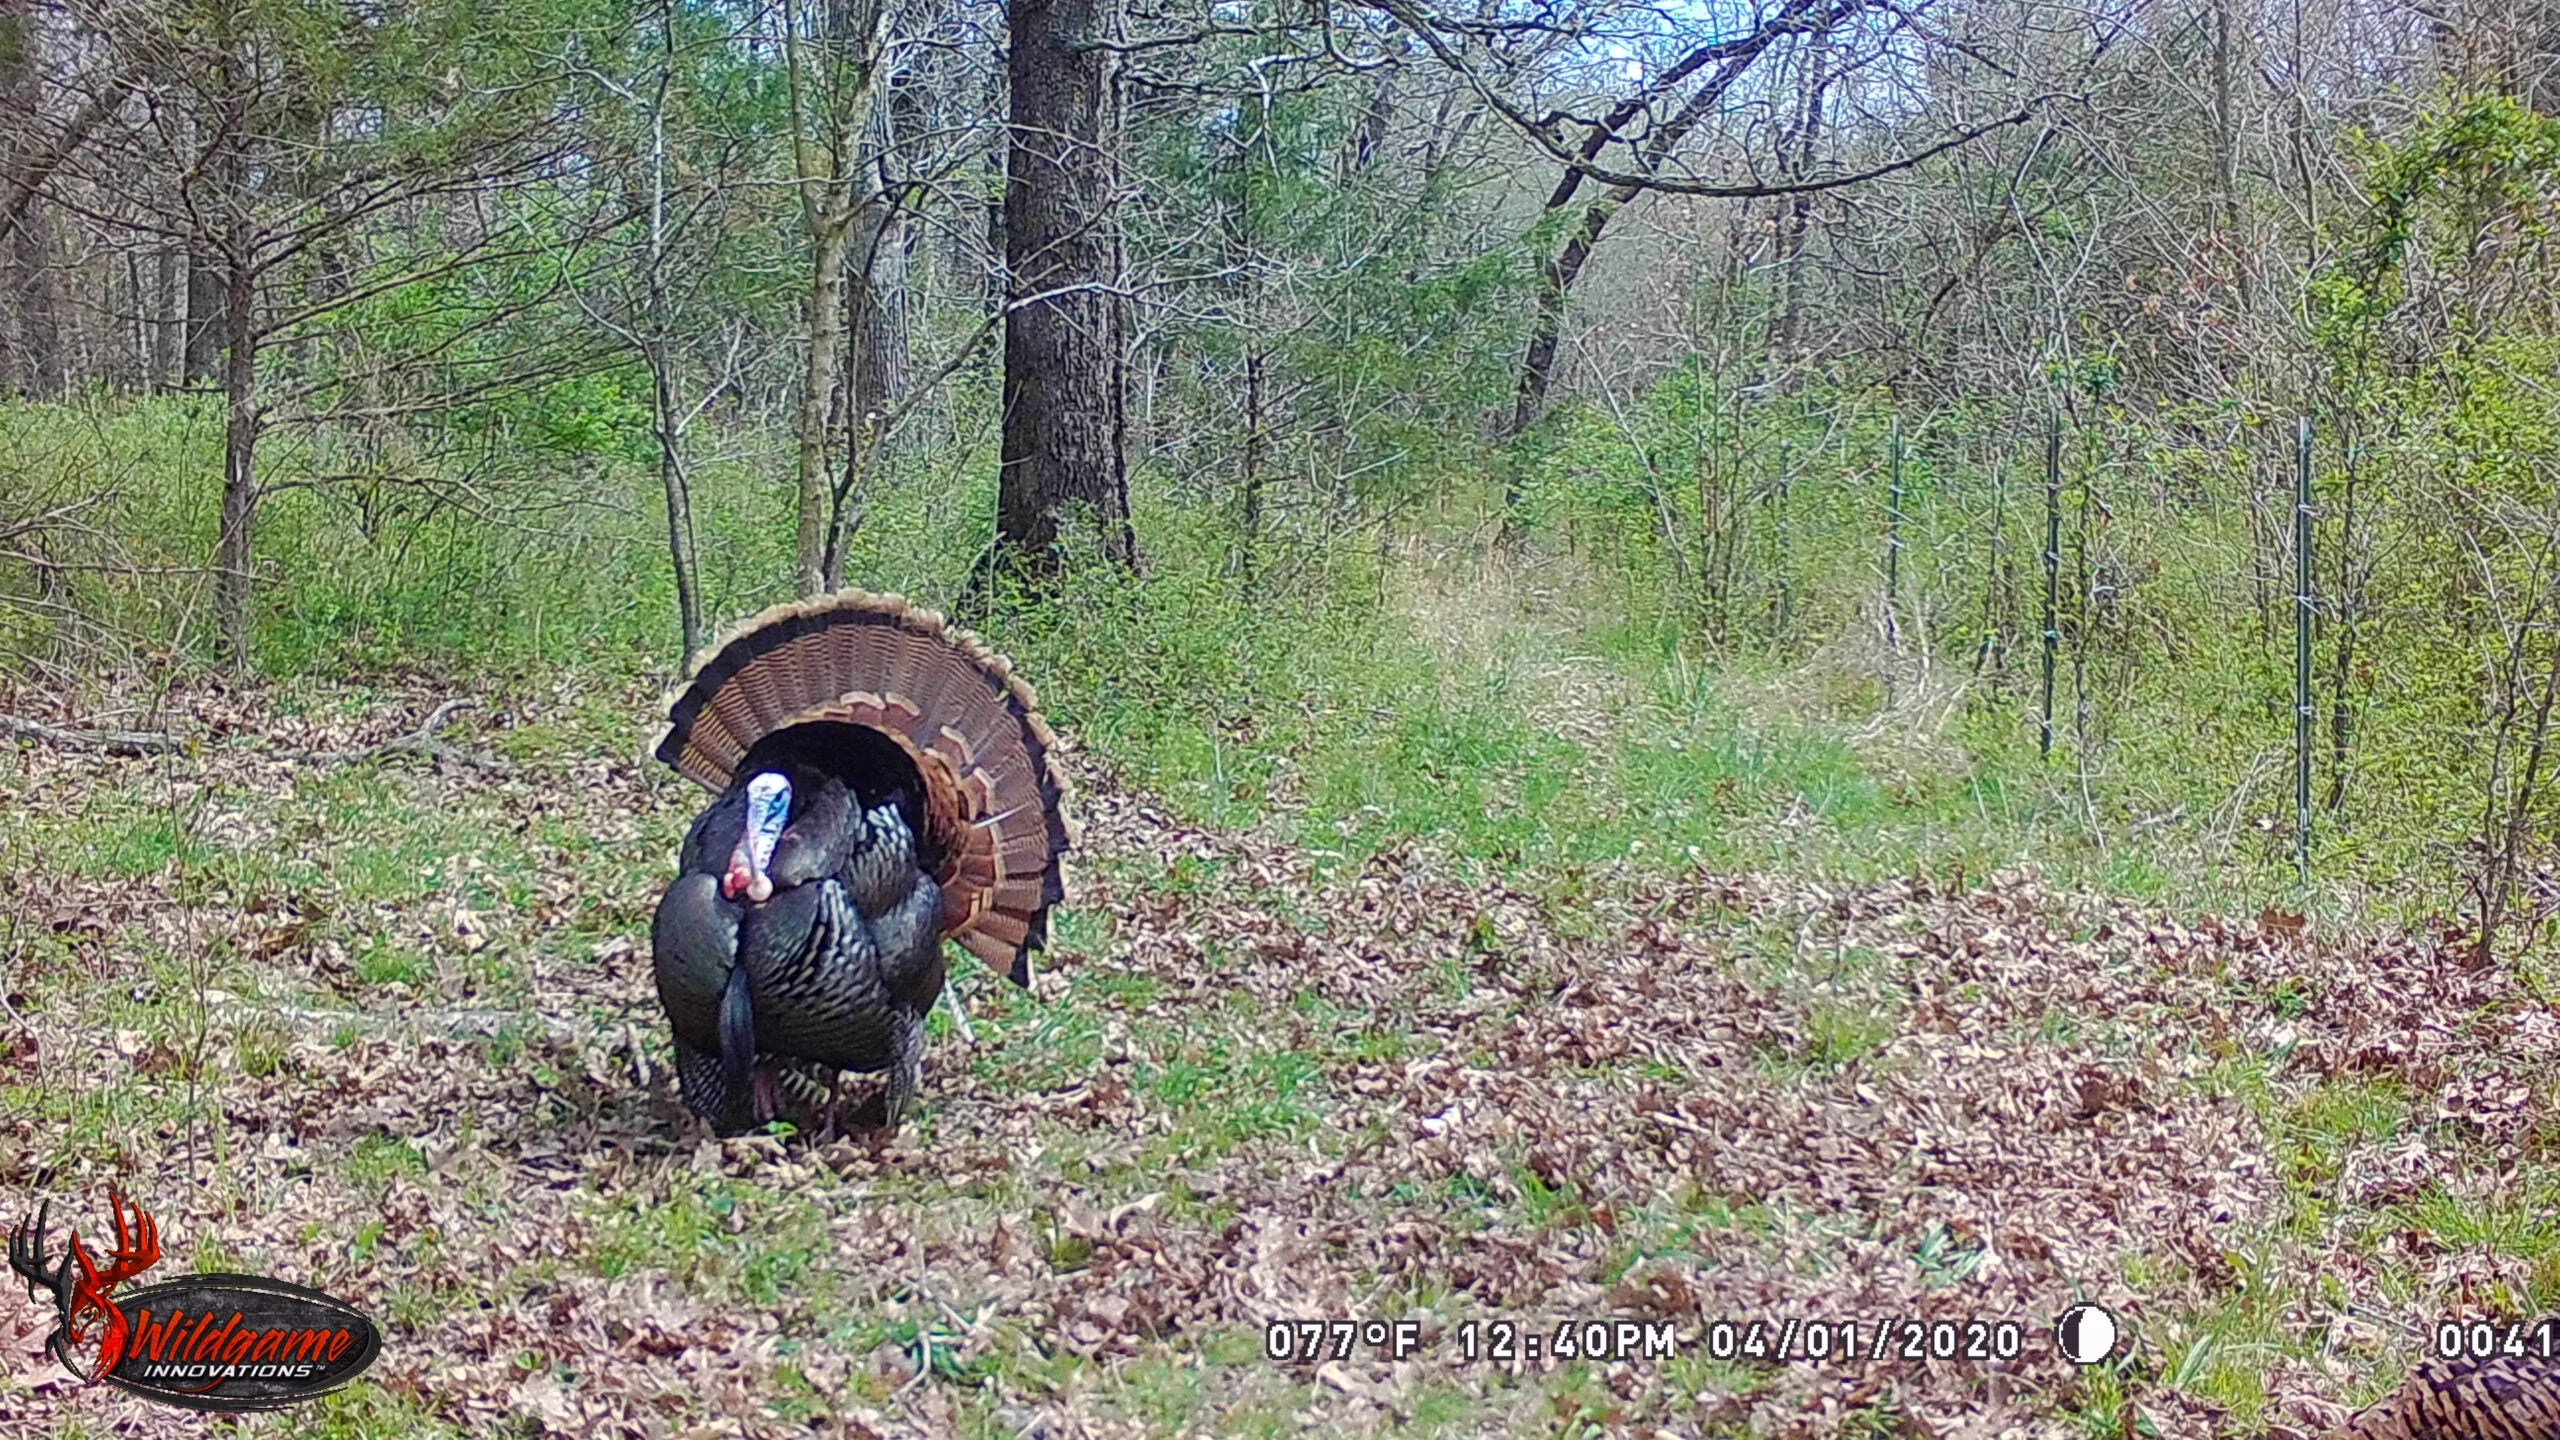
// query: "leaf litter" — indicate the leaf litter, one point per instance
point(1256, 1084)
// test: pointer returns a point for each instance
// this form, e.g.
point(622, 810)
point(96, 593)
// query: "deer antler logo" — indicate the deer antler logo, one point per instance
point(209, 1341)
point(82, 1289)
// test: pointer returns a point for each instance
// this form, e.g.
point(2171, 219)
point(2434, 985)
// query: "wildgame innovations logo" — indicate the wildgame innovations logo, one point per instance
point(207, 1342)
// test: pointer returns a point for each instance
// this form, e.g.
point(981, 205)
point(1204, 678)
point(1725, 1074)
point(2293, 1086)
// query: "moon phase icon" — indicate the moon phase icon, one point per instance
point(2086, 1333)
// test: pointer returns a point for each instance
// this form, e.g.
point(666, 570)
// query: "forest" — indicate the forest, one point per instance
point(1880, 660)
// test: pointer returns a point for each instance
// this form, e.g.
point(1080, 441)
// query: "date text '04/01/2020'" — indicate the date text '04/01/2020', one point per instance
point(1793, 1341)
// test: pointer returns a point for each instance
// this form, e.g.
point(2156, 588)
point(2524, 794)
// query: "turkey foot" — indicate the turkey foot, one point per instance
point(768, 1094)
point(835, 1106)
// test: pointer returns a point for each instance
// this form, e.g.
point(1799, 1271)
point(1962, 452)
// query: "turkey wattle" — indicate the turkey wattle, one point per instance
point(884, 782)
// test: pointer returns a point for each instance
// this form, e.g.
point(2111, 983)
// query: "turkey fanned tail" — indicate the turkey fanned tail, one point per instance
point(2504, 1398)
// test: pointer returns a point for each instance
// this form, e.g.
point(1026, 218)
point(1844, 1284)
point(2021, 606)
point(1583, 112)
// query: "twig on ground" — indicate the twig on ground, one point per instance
point(112, 742)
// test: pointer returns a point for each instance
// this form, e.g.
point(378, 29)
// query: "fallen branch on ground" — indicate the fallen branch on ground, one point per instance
point(421, 741)
point(451, 1022)
point(113, 742)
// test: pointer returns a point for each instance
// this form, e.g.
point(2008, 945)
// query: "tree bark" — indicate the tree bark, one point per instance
point(671, 478)
point(999, 161)
point(34, 353)
point(1546, 329)
point(875, 373)
point(1064, 421)
point(1376, 121)
point(2226, 156)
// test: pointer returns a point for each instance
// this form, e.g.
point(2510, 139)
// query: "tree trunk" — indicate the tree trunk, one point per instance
point(226, 173)
point(1731, 60)
point(875, 373)
point(831, 76)
point(825, 327)
point(30, 330)
point(1063, 408)
point(234, 553)
point(2342, 675)
point(1254, 443)
point(206, 339)
point(666, 405)
point(679, 495)
point(1546, 330)
point(168, 317)
point(35, 358)
point(999, 162)
point(2226, 157)
point(1376, 121)
point(876, 310)
point(1788, 341)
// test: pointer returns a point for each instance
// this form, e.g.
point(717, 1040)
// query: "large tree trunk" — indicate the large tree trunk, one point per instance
point(1063, 420)
point(30, 329)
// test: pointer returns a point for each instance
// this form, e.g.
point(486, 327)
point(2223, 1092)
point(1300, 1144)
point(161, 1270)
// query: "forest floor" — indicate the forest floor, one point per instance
point(385, 1026)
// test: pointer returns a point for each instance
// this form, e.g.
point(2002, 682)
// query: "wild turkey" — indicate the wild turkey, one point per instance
point(2503, 1398)
point(884, 781)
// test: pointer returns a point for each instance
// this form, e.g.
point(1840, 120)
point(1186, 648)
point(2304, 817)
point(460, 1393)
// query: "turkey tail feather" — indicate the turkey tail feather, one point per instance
point(995, 823)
